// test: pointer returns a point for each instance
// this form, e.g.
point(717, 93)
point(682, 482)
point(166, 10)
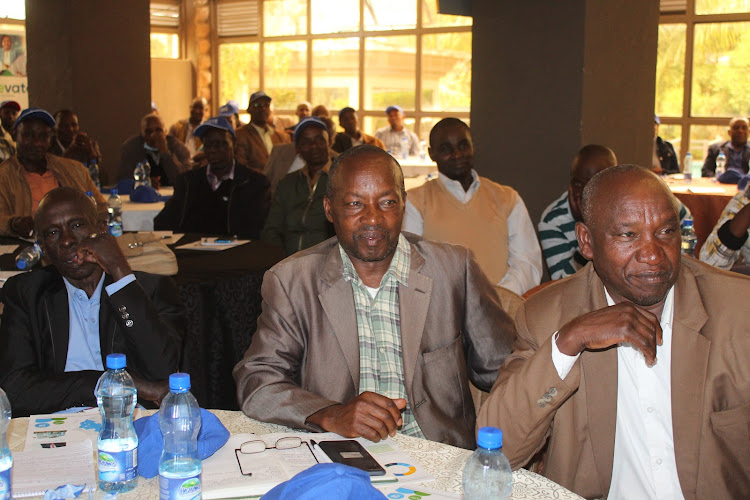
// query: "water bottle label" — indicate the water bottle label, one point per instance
point(5, 484)
point(115, 229)
point(179, 488)
point(118, 466)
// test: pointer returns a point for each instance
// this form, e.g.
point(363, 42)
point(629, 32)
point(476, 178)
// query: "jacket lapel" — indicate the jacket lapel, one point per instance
point(600, 376)
point(107, 321)
point(690, 351)
point(338, 305)
point(57, 317)
point(414, 300)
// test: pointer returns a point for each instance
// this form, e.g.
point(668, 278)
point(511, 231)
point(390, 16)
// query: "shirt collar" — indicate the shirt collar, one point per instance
point(214, 181)
point(667, 313)
point(457, 189)
point(306, 172)
point(73, 291)
point(398, 269)
point(262, 130)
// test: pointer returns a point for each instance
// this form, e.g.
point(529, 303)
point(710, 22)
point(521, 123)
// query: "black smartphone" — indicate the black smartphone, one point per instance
point(350, 452)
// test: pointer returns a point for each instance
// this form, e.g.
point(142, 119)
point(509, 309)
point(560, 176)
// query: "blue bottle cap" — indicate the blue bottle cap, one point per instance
point(114, 192)
point(179, 382)
point(21, 264)
point(89, 193)
point(490, 438)
point(116, 361)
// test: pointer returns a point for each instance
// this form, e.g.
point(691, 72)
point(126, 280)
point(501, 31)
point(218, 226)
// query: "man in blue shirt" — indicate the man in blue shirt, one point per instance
point(736, 149)
point(60, 322)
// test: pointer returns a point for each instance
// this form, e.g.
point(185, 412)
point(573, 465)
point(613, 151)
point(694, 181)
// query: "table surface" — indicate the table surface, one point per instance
point(140, 216)
point(443, 462)
point(679, 185)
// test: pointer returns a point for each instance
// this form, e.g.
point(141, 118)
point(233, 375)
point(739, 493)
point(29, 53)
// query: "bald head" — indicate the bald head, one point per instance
point(589, 161)
point(349, 159)
point(738, 129)
point(62, 195)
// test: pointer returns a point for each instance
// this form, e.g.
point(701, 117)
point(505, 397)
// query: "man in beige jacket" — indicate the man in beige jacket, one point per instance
point(634, 371)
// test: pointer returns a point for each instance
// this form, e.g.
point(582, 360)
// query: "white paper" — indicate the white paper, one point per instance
point(37, 470)
point(54, 431)
point(198, 245)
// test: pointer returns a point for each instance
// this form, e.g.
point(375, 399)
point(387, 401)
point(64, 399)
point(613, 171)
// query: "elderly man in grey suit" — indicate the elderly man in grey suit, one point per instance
point(374, 331)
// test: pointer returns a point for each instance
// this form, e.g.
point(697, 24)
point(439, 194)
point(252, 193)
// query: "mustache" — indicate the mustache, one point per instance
point(370, 229)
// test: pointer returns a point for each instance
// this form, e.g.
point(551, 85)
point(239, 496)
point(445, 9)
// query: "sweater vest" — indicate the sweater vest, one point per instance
point(480, 225)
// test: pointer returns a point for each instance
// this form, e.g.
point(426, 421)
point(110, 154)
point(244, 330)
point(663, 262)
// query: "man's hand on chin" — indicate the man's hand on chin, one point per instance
point(369, 415)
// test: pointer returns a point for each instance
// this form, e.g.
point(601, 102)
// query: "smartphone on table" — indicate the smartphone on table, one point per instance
point(350, 452)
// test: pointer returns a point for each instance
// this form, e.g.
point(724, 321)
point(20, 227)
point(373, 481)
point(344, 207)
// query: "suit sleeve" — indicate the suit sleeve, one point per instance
point(171, 215)
point(709, 164)
point(514, 403)
point(30, 386)
point(268, 378)
point(488, 330)
point(243, 151)
point(153, 342)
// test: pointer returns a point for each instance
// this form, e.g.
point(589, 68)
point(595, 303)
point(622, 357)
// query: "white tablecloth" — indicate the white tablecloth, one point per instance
point(444, 462)
point(140, 216)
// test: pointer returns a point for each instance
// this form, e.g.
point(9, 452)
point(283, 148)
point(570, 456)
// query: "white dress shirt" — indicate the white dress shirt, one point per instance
point(524, 253)
point(265, 133)
point(644, 463)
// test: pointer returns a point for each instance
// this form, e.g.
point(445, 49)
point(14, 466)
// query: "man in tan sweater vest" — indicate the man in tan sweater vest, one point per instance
point(463, 208)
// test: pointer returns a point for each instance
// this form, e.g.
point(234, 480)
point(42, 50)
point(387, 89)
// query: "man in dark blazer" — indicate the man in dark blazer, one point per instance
point(323, 359)
point(633, 372)
point(736, 149)
point(60, 322)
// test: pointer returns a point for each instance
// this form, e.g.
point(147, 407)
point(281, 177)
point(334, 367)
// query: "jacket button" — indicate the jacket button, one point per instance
point(129, 323)
point(552, 392)
point(541, 403)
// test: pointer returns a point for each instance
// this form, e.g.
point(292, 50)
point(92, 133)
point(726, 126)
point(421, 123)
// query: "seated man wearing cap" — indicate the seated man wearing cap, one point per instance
point(60, 322)
point(297, 220)
point(184, 130)
point(255, 140)
point(8, 113)
point(166, 156)
point(352, 136)
point(222, 198)
point(33, 172)
point(394, 134)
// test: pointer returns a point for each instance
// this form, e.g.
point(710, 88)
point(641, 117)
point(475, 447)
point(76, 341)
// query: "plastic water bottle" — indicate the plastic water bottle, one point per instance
point(721, 161)
point(487, 473)
point(687, 167)
point(422, 150)
point(116, 396)
point(28, 257)
point(6, 460)
point(404, 146)
point(90, 194)
point(180, 421)
point(140, 174)
point(114, 213)
point(689, 238)
point(94, 172)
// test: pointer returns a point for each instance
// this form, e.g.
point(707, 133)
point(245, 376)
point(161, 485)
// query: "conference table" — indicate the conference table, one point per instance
point(444, 462)
point(705, 199)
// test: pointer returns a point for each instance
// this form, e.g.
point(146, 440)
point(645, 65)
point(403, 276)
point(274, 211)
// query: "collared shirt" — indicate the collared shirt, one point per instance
point(84, 349)
point(734, 158)
point(214, 181)
point(644, 463)
point(39, 185)
point(313, 181)
point(381, 362)
point(524, 254)
point(724, 253)
point(265, 133)
point(393, 141)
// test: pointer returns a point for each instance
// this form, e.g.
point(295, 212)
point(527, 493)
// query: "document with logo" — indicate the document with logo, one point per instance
point(38, 470)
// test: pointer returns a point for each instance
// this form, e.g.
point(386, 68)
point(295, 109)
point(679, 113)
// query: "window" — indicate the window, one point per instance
point(165, 30)
point(367, 54)
point(701, 62)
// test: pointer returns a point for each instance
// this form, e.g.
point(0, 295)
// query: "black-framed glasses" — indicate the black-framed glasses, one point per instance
point(255, 446)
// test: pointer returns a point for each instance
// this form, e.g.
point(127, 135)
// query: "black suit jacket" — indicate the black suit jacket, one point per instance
point(34, 338)
point(709, 164)
point(667, 157)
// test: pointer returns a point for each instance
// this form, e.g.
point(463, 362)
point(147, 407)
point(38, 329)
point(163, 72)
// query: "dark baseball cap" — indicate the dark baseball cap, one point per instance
point(217, 122)
point(37, 113)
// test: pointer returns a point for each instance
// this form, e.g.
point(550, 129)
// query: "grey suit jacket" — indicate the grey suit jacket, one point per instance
point(710, 377)
point(304, 355)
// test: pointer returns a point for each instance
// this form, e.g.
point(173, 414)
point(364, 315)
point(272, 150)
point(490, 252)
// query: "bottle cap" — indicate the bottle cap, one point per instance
point(89, 193)
point(179, 382)
point(22, 264)
point(116, 361)
point(490, 438)
point(114, 192)
point(687, 222)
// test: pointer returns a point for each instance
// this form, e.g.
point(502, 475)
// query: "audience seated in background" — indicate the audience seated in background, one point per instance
point(304, 109)
point(33, 172)
point(315, 362)
point(558, 222)
point(8, 112)
point(352, 136)
point(736, 149)
point(255, 140)
point(184, 130)
point(395, 134)
point(60, 322)
point(231, 111)
point(320, 111)
point(463, 208)
point(296, 220)
point(222, 198)
point(166, 155)
point(633, 372)
point(727, 244)
point(280, 123)
point(664, 159)
point(71, 142)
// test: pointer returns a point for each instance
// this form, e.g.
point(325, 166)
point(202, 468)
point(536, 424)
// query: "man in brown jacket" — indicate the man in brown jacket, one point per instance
point(33, 172)
point(256, 139)
point(634, 370)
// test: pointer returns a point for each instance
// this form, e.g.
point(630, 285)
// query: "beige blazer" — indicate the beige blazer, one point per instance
point(710, 387)
point(304, 356)
point(249, 148)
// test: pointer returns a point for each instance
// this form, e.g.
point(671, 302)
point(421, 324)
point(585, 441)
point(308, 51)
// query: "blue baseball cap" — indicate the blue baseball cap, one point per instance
point(327, 482)
point(310, 121)
point(229, 109)
point(394, 107)
point(39, 114)
point(217, 122)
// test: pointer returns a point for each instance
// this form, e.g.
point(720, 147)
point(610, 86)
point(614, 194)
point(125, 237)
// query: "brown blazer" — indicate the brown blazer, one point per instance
point(304, 356)
point(249, 148)
point(710, 387)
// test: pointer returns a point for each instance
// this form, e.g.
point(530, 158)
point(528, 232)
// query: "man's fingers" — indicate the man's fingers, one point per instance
point(392, 406)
